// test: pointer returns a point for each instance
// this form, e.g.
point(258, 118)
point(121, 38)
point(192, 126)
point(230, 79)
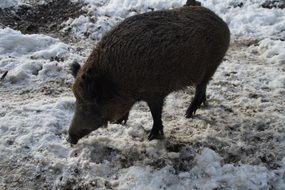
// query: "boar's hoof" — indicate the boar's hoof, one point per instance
point(156, 135)
point(190, 113)
point(193, 108)
point(72, 140)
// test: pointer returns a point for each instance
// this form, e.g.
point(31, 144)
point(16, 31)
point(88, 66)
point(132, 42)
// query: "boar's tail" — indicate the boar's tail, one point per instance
point(74, 69)
point(192, 3)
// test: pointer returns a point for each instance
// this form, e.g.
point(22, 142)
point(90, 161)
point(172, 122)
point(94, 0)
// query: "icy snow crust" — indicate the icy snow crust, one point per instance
point(237, 142)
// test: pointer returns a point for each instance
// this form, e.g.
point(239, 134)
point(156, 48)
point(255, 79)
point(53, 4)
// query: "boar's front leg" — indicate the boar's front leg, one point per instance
point(155, 106)
point(199, 98)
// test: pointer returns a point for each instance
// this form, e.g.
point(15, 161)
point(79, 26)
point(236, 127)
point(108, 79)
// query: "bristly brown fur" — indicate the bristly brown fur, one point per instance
point(146, 57)
point(155, 53)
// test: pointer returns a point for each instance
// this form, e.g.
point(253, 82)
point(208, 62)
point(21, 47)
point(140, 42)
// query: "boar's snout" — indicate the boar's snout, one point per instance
point(72, 139)
point(78, 130)
point(86, 119)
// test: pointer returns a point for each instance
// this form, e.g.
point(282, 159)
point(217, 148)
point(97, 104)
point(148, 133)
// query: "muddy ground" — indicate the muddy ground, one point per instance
point(42, 19)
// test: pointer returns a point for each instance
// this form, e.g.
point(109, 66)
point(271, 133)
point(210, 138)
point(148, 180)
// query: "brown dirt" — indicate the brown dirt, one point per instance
point(43, 19)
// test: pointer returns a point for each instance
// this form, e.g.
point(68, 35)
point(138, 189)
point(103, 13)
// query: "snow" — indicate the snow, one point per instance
point(128, 6)
point(26, 56)
point(109, 13)
point(250, 20)
point(237, 142)
point(15, 3)
point(209, 173)
point(273, 50)
point(10, 3)
point(14, 43)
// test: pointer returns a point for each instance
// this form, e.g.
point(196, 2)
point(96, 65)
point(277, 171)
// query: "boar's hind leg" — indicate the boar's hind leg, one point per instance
point(155, 106)
point(199, 98)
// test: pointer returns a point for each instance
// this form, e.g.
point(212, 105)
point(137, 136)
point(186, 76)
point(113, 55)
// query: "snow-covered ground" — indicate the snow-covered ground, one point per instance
point(237, 142)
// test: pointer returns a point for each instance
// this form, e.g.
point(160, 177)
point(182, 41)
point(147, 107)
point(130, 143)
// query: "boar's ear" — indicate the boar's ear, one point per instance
point(74, 69)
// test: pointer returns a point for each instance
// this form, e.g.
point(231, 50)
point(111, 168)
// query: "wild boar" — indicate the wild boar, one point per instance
point(144, 58)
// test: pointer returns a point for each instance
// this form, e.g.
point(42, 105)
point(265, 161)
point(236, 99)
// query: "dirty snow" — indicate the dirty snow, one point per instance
point(237, 142)
point(15, 44)
point(16, 3)
point(245, 18)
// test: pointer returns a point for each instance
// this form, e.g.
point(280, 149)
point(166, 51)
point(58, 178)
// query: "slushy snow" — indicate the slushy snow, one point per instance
point(16, 3)
point(14, 44)
point(237, 142)
point(250, 20)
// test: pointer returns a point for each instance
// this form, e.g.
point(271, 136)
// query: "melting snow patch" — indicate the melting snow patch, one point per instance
point(27, 56)
point(245, 18)
point(106, 14)
point(6, 3)
point(124, 8)
point(273, 50)
point(14, 3)
point(14, 43)
point(248, 18)
point(208, 173)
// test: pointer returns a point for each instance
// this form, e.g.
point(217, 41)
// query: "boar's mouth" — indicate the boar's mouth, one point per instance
point(73, 139)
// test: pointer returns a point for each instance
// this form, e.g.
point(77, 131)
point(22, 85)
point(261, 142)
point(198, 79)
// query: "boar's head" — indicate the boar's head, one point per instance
point(96, 103)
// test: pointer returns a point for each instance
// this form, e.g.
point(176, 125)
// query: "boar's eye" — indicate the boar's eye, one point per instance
point(87, 109)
